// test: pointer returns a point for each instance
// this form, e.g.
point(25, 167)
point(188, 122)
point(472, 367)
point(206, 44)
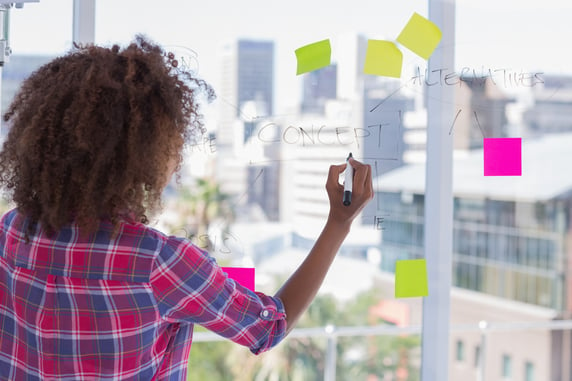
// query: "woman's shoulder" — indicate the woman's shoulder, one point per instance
point(167, 241)
point(11, 218)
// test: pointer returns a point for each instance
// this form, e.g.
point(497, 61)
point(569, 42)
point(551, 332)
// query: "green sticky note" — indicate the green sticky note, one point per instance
point(313, 56)
point(420, 35)
point(411, 278)
point(383, 58)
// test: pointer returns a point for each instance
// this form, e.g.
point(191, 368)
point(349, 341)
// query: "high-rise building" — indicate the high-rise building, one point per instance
point(511, 240)
point(551, 111)
point(15, 71)
point(246, 95)
point(255, 64)
point(481, 112)
point(383, 115)
point(247, 77)
point(382, 132)
point(319, 87)
point(510, 234)
point(309, 145)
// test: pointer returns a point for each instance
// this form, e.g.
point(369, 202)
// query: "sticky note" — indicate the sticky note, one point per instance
point(241, 275)
point(502, 156)
point(411, 278)
point(383, 58)
point(313, 56)
point(420, 35)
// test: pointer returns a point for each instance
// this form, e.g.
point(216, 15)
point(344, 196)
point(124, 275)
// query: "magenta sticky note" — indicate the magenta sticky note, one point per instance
point(241, 275)
point(503, 156)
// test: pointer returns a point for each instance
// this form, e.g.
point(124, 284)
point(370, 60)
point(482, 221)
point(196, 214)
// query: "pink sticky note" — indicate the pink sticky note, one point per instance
point(503, 156)
point(241, 275)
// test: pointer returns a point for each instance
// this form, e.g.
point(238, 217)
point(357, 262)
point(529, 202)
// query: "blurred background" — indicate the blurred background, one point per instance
point(252, 188)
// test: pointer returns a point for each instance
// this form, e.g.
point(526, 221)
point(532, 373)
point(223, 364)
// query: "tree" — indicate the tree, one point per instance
point(197, 208)
point(299, 359)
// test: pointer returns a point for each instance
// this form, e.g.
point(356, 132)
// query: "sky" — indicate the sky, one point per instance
point(490, 34)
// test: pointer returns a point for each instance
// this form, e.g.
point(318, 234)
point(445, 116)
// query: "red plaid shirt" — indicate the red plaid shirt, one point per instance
point(117, 308)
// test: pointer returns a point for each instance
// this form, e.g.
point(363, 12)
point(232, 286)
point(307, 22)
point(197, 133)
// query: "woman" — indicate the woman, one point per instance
point(87, 289)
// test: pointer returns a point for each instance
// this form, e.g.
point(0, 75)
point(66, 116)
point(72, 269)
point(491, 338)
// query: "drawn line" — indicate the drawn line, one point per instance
point(257, 176)
point(386, 98)
point(257, 162)
point(397, 141)
point(479, 124)
point(381, 158)
point(245, 193)
point(369, 215)
point(193, 57)
point(377, 181)
point(556, 90)
point(454, 120)
point(275, 116)
point(244, 116)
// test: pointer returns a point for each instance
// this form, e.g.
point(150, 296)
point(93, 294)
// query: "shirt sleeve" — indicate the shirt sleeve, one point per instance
point(190, 287)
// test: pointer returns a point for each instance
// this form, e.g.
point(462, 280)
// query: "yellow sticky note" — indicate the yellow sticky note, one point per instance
point(383, 58)
point(313, 56)
point(411, 278)
point(420, 35)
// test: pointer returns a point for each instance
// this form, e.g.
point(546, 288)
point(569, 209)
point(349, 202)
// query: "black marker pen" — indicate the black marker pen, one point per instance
point(348, 182)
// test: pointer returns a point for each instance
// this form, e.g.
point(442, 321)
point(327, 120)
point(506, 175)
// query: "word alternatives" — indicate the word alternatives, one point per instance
point(498, 77)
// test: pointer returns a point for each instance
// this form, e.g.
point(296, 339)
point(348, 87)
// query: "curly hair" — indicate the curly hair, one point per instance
point(94, 132)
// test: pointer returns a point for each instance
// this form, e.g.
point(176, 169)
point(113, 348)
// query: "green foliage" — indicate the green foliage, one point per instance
point(5, 205)
point(207, 361)
point(197, 207)
point(299, 359)
point(296, 359)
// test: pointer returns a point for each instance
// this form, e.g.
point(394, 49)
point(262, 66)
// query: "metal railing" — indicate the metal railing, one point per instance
point(332, 334)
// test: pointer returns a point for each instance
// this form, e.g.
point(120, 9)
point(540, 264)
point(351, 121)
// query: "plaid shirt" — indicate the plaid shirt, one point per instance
point(103, 307)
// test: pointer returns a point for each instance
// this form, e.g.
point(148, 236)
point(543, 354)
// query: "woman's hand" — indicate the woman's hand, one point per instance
point(362, 191)
point(301, 288)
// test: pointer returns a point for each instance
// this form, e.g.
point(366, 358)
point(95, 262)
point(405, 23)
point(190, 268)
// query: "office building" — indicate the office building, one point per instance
point(264, 169)
point(511, 237)
point(384, 109)
point(15, 71)
point(246, 95)
point(247, 76)
point(480, 112)
point(306, 147)
point(550, 111)
point(319, 86)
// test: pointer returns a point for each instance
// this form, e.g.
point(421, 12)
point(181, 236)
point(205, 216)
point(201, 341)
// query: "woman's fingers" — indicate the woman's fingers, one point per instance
point(362, 184)
point(333, 183)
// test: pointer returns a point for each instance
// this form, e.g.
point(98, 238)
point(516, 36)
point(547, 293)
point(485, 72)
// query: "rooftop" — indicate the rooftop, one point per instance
point(545, 174)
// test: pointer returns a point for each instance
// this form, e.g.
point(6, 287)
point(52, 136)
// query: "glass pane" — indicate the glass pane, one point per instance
point(515, 87)
point(259, 171)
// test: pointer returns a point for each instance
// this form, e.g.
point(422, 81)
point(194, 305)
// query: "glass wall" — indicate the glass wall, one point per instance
point(512, 230)
point(261, 167)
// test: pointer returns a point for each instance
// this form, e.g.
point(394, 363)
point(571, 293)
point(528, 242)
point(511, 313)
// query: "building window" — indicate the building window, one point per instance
point(477, 356)
point(506, 366)
point(529, 371)
point(460, 351)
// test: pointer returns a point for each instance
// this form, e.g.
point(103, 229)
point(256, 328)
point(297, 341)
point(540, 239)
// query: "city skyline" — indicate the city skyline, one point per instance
point(403, 227)
point(531, 44)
